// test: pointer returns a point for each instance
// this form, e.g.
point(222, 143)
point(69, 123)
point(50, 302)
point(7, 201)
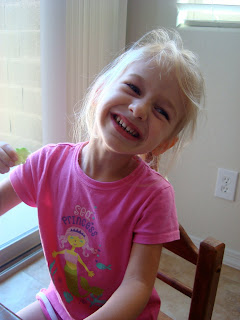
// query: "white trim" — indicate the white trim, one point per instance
point(231, 257)
point(208, 15)
point(48, 306)
point(212, 24)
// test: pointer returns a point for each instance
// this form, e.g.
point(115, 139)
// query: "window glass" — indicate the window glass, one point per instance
point(20, 112)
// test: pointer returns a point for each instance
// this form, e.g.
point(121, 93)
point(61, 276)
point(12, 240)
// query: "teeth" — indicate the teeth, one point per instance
point(124, 126)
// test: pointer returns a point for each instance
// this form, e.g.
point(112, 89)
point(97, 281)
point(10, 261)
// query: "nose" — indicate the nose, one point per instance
point(139, 110)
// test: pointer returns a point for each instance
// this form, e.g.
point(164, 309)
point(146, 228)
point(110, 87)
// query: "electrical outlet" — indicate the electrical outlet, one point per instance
point(226, 184)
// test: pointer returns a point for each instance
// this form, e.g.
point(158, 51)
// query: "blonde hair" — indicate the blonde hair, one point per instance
point(164, 48)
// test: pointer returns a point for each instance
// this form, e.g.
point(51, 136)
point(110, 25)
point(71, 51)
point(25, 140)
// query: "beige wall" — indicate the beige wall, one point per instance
point(217, 142)
point(20, 102)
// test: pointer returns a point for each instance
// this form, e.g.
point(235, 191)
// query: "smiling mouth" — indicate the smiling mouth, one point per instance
point(126, 127)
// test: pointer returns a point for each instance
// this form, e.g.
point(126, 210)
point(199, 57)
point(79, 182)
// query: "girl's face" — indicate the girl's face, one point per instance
point(76, 242)
point(140, 110)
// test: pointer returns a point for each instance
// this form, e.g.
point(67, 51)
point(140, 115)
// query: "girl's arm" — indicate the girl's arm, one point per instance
point(129, 300)
point(8, 197)
point(55, 253)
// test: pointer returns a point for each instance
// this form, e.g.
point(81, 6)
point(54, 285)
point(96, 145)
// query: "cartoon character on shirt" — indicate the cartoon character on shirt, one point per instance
point(77, 238)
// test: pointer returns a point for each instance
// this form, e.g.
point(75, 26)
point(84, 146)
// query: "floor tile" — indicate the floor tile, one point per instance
point(19, 291)
point(39, 272)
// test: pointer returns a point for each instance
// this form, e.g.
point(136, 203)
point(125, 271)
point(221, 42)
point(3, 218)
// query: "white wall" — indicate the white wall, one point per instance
point(217, 141)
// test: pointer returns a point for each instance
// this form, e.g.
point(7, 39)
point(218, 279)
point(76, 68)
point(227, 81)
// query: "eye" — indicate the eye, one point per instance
point(162, 112)
point(134, 88)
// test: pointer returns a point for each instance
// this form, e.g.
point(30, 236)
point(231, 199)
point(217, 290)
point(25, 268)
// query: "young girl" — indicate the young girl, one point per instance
point(103, 212)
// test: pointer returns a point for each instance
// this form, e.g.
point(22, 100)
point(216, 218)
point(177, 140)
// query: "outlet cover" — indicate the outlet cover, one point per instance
point(226, 184)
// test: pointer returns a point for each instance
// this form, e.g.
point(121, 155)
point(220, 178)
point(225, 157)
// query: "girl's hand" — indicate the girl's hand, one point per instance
point(8, 157)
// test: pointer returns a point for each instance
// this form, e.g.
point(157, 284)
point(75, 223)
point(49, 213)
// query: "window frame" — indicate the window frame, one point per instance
point(19, 251)
point(210, 11)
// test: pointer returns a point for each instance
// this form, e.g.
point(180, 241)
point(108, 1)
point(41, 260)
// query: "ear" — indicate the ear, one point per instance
point(163, 147)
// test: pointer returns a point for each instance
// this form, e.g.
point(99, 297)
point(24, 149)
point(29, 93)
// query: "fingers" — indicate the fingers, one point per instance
point(8, 156)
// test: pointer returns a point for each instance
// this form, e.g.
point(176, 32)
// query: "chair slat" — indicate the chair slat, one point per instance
point(176, 284)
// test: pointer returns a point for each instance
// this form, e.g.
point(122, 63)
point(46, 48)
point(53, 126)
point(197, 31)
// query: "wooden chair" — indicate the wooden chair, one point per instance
point(208, 261)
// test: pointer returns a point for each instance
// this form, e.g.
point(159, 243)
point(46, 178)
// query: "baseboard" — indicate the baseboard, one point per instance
point(231, 257)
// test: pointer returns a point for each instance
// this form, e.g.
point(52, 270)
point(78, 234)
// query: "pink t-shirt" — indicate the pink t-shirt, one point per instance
point(87, 227)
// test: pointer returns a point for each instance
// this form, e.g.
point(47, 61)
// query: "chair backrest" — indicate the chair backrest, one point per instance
point(208, 260)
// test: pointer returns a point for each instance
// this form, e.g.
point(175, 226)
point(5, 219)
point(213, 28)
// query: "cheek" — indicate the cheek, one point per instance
point(156, 130)
point(158, 134)
point(101, 111)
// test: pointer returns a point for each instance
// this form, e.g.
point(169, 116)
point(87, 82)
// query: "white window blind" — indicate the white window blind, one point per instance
point(209, 13)
point(96, 33)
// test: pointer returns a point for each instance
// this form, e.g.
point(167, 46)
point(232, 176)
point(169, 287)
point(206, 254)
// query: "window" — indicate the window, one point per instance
point(20, 117)
point(209, 13)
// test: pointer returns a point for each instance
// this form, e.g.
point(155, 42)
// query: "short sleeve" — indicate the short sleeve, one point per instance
point(158, 223)
point(25, 178)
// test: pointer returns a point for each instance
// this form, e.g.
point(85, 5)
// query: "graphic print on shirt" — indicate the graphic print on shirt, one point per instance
point(76, 251)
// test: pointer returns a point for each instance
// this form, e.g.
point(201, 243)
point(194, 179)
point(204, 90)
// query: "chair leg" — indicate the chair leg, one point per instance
point(206, 279)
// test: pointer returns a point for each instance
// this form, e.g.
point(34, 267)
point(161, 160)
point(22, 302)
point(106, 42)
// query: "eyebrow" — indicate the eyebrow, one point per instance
point(136, 75)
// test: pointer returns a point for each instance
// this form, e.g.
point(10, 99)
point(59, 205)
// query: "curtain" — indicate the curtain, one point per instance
point(96, 31)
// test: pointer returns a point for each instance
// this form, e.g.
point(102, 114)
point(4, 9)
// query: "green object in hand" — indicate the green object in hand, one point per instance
point(23, 153)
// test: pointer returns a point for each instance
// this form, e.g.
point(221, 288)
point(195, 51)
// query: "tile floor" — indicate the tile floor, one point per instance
point(20, 289)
